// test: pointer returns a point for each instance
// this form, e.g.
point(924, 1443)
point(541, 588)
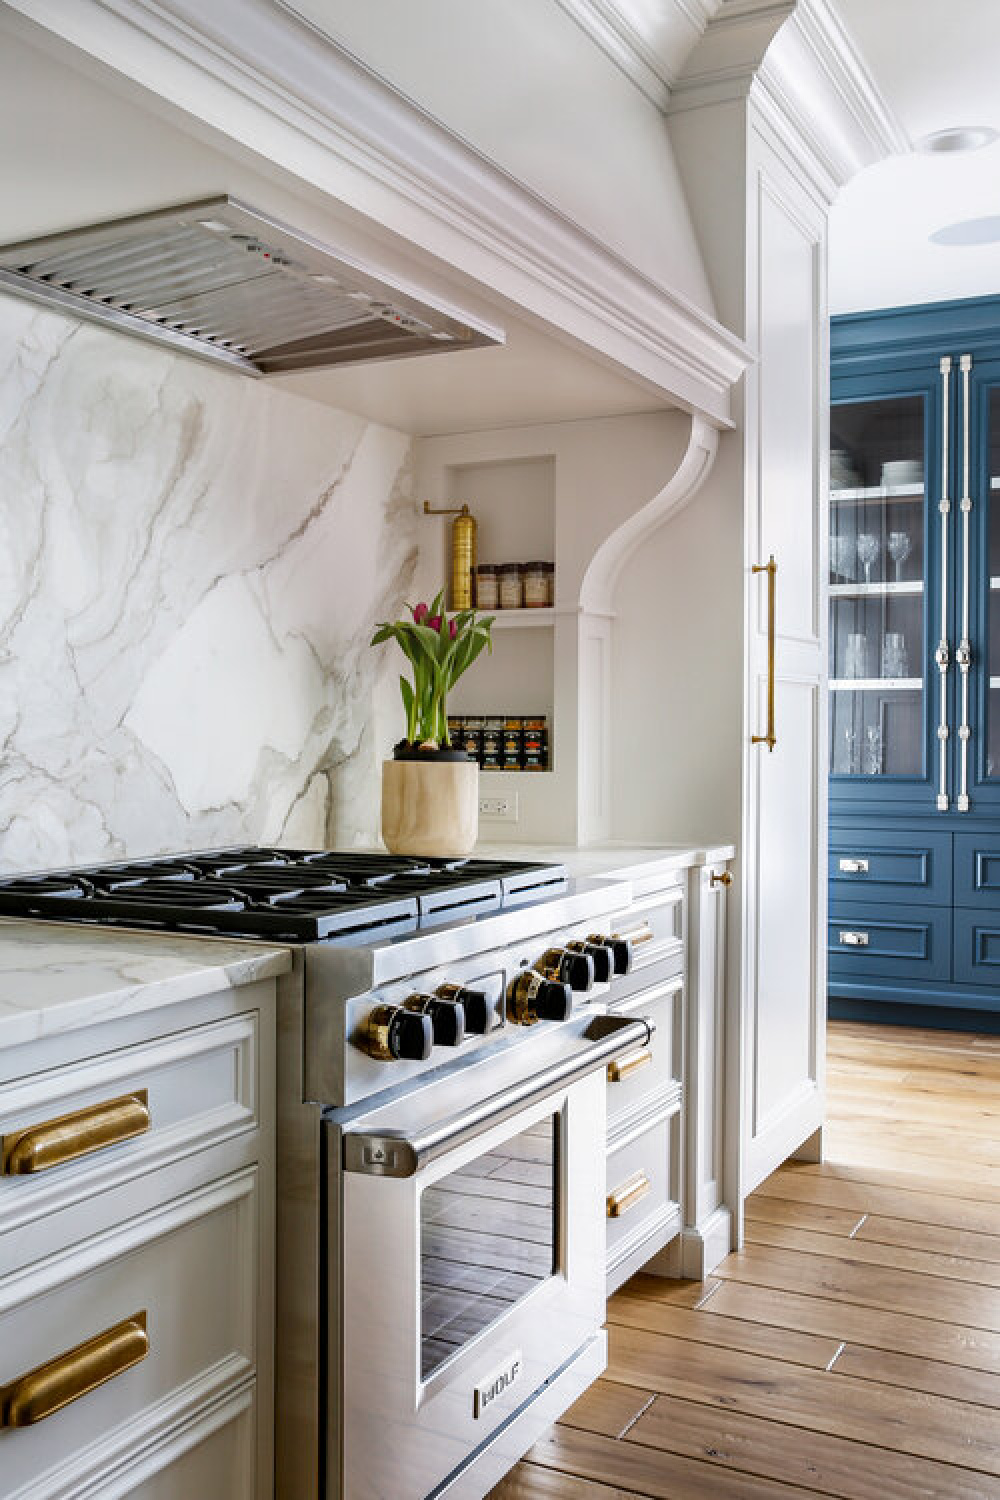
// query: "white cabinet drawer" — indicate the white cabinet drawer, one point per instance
point(657, 924)
point(650, 1073)
point(198, 1086)
point(189, 1266)
point(217, 1467)
point(643, 1186)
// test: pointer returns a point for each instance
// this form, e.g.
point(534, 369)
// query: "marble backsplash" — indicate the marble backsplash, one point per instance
point(191, 563)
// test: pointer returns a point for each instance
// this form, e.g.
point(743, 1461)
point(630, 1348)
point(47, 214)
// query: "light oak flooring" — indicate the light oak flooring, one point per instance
point(852, 1349)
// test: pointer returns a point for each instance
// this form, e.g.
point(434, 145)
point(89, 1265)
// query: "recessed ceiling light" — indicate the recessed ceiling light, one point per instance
point(958, 138)
point(985, 231)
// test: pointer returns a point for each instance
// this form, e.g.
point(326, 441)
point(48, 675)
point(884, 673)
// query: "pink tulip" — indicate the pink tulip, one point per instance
point(420, 612)
point(435, 623)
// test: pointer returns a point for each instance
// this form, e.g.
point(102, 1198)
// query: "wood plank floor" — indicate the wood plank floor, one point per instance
point(852, 1349)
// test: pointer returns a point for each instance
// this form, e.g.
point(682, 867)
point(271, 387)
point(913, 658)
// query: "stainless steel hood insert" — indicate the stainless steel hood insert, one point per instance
point(221, 281)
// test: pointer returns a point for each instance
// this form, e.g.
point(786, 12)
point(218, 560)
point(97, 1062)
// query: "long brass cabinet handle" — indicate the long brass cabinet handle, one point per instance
point(631, 1192)
point(48, 1388)
point(770, 568)
point(637, 936)
point(624, 1067)
point(52, 1144)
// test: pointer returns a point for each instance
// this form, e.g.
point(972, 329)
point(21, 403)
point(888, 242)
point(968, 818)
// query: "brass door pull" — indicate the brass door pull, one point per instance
point(725, 878)
point(624, 1067)
point(48, 1388)
point(770, 568)
point(39, 1147)
point(631, 1192)
point(637, 936)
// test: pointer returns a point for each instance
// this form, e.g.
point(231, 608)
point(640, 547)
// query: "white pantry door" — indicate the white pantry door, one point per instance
point(784, 978)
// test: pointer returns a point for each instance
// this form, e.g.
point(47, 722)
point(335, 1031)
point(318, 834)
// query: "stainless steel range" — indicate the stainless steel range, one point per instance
point(443, 1042)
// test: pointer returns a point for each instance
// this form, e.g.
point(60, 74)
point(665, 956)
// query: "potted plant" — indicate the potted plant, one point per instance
point(430, 789)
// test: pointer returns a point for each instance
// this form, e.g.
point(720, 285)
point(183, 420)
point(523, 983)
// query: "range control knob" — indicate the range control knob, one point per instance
point(601, 954)
point(476, 1007)
point(393, 1033)
point(532, 997)
point(447, 1018)
point(621, 950)
point(574, 969)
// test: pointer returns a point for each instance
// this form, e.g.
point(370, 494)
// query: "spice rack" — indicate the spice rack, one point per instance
point(503, 742)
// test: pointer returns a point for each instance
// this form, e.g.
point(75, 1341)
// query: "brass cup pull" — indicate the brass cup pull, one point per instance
point(725, 878)
point(39, 1147)
point(631, 1192)
point(624, 1067)
point(48, 1388)
point(770, 568)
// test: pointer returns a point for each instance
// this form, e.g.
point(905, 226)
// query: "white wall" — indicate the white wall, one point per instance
point(190, 566)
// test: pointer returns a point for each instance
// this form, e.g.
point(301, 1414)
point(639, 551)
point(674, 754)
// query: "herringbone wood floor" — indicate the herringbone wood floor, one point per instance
point(852, 1349)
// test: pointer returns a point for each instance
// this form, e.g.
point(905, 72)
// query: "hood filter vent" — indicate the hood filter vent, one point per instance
point(222, 281)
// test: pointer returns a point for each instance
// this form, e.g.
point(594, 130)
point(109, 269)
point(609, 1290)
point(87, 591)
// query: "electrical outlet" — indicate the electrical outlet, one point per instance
point(503, 806)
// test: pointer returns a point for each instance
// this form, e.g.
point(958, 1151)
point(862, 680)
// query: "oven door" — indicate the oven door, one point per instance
point(470, 1220)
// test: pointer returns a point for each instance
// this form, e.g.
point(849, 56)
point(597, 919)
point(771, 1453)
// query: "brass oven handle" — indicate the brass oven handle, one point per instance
point(770, 568)
point(48, 1388)
point(69, 1137)
point(631, 1192)
point(624, 1067)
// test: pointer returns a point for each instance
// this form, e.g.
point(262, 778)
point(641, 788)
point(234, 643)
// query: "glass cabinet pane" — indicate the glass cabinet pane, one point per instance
point(488, 1236)
point(992, 766)
point(877, 511)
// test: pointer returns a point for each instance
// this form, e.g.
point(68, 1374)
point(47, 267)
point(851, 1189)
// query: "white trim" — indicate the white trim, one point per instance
point(251, 70)
point(619, 40)
point(838, 56)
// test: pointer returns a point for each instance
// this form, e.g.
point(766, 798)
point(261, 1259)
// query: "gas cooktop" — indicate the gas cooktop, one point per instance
point(286, 895)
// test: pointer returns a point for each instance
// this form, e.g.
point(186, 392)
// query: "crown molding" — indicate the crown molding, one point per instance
point(799, 63)
point(253, 71)
point(619, 40)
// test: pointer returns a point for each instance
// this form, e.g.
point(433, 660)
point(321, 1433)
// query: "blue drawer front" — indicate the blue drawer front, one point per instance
point(977, 946)
point(891, 866)
point(876, 941)
point(977, 870)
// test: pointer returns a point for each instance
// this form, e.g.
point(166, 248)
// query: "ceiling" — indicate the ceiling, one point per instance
point(80, 145)
point(936, 62)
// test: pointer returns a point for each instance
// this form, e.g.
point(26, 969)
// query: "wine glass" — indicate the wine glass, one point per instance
point(899, 546)
point(867, 552)
point(873, 750)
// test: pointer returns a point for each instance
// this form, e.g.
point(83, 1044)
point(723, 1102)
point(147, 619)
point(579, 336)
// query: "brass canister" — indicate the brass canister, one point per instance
point(463, 558)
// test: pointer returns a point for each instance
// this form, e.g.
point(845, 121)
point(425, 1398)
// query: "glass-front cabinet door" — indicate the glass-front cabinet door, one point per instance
point(880, 509)
point(985, 584)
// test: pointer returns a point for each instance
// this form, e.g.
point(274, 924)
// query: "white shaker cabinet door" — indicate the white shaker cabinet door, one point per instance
point(784, 982)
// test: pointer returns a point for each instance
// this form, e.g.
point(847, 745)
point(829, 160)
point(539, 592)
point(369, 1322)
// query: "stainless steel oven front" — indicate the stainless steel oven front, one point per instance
point(465, 1264)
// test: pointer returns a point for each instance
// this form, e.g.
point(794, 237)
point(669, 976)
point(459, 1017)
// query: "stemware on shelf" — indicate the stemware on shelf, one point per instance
point(873, 750)
point(894, 658)
point(856, 656)
point(899, 546)
point(868, 550)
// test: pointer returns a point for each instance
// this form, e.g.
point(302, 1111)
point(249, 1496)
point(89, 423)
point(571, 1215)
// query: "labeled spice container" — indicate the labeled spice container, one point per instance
point(487, 586)
point(492, 754)
point(511, 586)
point(536, 585)
point(512, 744)
point(472, 736)
point(535, 745)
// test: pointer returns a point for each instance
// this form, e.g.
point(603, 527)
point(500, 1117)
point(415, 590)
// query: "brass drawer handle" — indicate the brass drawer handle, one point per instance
point(854, 867)
point(854, 939)
point(624, 1067)
point(55, 1142)
point(45, 1390)
point(725, 878)
point(637, 936)
point(631, 1192)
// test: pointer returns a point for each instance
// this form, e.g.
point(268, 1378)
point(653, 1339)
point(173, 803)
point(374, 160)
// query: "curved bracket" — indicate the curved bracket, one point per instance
point(599, 581)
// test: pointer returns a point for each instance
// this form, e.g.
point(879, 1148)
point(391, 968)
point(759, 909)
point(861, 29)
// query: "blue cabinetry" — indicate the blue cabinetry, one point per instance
point(915, 659)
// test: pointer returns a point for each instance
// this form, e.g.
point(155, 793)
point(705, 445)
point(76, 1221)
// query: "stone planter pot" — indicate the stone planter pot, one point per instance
point(430, 807)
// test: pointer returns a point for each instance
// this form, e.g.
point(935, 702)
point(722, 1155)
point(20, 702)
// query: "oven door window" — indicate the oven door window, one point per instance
point(488, 1236)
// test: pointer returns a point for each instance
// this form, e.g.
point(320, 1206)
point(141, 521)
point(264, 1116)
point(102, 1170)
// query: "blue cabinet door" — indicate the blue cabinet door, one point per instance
point(978, 588)
point(888, 864)
point(867, 941)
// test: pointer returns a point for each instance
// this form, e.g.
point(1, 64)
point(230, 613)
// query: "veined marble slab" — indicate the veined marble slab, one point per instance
point(616, 861)
point(191, 567)
point(54, 979)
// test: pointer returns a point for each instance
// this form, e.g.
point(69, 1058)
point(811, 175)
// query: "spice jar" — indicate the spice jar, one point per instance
point(550, 583)
point(511, 591)
point(487, 586)
point(536, 585)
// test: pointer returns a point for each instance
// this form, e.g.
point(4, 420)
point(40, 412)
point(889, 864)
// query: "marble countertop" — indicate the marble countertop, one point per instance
point(55, 978)
point(617, 861)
